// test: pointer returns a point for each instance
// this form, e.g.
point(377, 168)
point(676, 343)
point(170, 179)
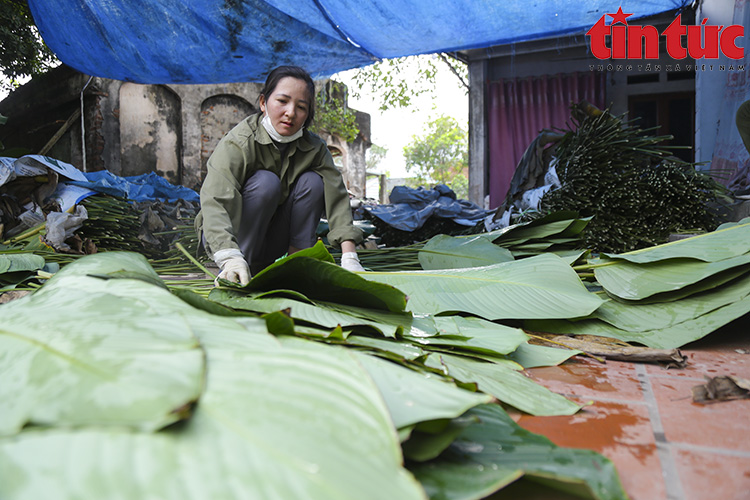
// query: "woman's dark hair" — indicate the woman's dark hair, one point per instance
point(275, 76)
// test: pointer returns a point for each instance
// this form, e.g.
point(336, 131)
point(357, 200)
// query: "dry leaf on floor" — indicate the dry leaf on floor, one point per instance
point(721, 388)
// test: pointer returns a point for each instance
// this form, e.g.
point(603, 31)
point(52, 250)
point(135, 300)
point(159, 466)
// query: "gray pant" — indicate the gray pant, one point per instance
point(268, 229)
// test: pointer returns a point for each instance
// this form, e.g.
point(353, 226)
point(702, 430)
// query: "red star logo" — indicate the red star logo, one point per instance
point(619, 17)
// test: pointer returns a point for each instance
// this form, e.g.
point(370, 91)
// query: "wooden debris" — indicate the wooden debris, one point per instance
point(616, 350)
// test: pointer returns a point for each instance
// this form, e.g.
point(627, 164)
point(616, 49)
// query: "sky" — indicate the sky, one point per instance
point(394, 129)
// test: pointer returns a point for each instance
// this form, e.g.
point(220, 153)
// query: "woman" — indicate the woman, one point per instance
point(268, 182)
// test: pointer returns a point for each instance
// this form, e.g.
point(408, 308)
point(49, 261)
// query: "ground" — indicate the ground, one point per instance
point(643, 418)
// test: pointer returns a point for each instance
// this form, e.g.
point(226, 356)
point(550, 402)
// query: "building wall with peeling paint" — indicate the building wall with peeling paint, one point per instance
point(132, 129)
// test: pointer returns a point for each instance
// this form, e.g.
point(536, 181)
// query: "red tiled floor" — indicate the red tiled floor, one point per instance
point(720, 425)
point(588, 378)
point(643, 419)
point(709, 475)
point(620, 432)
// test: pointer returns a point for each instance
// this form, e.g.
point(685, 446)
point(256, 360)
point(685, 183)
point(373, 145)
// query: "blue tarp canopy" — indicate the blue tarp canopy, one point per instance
point(222, 41)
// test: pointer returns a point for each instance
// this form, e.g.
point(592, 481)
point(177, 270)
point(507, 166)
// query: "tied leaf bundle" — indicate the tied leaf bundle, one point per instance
point(637, 193)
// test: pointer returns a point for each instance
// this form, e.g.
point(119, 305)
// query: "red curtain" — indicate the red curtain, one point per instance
point(519, 108)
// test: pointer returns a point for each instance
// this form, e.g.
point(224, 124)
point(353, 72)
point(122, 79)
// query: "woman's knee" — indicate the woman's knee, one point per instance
point(309, 184)
point(263, 186)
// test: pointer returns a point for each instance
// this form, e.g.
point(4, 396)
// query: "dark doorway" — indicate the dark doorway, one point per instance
point(673, 114)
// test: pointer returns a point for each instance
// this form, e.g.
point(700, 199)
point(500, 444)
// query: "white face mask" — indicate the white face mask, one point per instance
point(275, 135)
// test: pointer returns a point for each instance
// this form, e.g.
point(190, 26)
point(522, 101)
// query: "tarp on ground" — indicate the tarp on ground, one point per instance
point(410, 208)
point(222, 41)
point(145, 187)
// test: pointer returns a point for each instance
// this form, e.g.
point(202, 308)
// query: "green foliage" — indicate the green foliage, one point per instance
point(393, 80)
point(22, 51)
point(332, 114)
point(637, 193)
point(441, 154)
point(374, 156)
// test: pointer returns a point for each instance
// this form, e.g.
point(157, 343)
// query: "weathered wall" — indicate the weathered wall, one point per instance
point(131, 129)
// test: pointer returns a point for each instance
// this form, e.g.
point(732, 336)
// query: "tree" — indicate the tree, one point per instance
point(375, 155)
point(23, 53)
point(399, 80)
point(441, 155)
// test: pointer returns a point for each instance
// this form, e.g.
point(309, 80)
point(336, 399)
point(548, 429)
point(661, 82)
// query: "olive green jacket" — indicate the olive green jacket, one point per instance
point(248, 148)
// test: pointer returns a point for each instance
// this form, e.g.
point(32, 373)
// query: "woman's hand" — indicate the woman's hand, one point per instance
point(233, 266)
point(349, 258)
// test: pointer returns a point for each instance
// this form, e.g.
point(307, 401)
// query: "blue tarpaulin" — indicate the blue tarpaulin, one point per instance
point(146, 187)
point(411, 208)
point(222, 41)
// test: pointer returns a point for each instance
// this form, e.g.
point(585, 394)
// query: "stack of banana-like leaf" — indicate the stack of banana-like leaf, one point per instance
point(669, 295)
point(311, 382)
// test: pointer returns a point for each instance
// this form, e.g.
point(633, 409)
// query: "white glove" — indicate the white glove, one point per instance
point(350, 262)
point(233, 266)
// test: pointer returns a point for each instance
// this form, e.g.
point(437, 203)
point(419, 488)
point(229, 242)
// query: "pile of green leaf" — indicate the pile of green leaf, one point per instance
point(559, 233)
point(311, 382)
point(668, 295)
point(637, 194)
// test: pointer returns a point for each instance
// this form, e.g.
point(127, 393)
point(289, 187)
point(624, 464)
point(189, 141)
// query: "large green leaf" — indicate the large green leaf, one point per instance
point(503, 380)
point(318, 278)
point(14, 262)
point(525, 230)
point(473, 334)
point(632, 281)
point(448, 252)
point(414, 397)
point(639, 317)
point(298, 420)
point(493, 451)
point(543, 286)
point(724, 243)
point(670, 337)
point(321, 314)
point(85, 350)
point(533, 356)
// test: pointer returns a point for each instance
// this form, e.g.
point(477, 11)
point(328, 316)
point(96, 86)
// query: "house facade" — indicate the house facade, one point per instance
point(132, 129)
point(517, 90)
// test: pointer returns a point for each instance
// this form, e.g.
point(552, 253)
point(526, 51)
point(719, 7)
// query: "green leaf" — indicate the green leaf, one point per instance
point(634, 281)
point(83, 350)
point(423, 446)
point(313, 274)
point(494, 451)
point(534, 356)
point(403, 350)
point(322, 314)
point(538, 287)
point(446, 252)
point(476, 335)
point(414, 397)
point(502, 379)
point(279, 323)
point(638, 317)
point(14, 262)
point(291, 420)
point(670, 337)
point(724, 243)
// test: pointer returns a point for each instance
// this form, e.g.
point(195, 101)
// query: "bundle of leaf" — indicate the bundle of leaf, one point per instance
point(668, 295)
point(150, 228)
point(278, 414)
point(559, 233)
point(638, 195)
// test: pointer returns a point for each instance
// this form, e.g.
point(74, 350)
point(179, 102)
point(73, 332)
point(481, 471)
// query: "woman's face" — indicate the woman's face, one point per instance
point(288, 105)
